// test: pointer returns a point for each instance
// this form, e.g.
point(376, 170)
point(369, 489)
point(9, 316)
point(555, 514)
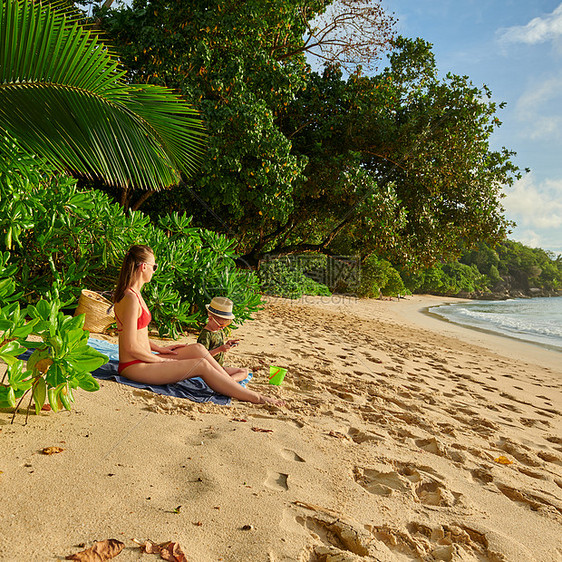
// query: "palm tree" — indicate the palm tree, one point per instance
point(64, 98)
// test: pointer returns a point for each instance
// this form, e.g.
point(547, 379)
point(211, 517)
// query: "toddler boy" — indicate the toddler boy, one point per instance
point(212, 335)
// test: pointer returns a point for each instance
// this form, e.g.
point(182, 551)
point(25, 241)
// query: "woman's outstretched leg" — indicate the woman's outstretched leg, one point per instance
point(197, 350)
point(199, 366)
point(237, 374)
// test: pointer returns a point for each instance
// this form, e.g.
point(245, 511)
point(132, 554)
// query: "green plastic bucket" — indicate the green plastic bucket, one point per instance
point(276, 375)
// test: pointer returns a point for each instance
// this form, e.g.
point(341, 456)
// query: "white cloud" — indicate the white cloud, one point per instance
point(534, 239)
point(539, 107)
point(535, 206)
point(538, 30)
point(529, 238)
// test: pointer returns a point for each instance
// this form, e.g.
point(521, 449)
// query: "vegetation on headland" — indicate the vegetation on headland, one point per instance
point(508, 270)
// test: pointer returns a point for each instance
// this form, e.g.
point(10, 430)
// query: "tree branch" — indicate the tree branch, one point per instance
point(142, 199)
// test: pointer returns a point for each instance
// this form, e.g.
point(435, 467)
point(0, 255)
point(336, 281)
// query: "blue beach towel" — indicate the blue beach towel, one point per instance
point(195, 389)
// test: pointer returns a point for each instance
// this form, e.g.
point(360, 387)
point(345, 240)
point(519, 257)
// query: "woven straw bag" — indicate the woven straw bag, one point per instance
point(95, 307)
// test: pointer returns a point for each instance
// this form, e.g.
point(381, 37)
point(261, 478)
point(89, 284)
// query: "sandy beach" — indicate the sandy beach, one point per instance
point(391, 446)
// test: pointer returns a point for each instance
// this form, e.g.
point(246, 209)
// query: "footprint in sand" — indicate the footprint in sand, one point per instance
point(359, 436)
point(550, 457)
point(381, 483)
point(407, 480)
point(277, 481)
point(530, 473)
point(524, 498)
point(435, 494)
point(431, 446)
point(290, 455)
point(482, 475)
point(522, 453)
point(338, 540)
point(511, 408)
point(423, 542)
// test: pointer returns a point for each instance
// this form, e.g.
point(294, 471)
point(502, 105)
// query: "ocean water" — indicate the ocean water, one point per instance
point(537, 320)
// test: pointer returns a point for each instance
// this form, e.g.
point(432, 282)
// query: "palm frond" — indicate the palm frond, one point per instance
point(63, 97)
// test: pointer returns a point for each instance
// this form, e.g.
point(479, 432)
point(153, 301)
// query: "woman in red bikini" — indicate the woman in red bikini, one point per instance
point(144, 361)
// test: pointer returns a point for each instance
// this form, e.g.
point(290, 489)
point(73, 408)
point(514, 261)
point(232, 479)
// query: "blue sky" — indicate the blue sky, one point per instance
point(515, 48)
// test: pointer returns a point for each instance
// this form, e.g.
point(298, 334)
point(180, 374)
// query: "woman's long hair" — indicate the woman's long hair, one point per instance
point(136, 255)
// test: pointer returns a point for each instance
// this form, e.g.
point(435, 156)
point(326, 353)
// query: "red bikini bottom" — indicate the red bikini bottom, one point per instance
point(127, 364)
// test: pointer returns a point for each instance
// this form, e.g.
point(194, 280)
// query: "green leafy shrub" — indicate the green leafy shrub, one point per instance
point(379, 276)
point(284, 277)
point(446, 279)
point(61, 360)
point(57, 234)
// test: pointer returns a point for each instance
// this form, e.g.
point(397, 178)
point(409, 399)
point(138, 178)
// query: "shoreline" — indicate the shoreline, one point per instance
point(548, 347)
point(413, 310)
point(523, 350)
point(391, 446)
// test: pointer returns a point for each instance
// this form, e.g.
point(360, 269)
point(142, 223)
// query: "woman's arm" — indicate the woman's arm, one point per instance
point(128, 309)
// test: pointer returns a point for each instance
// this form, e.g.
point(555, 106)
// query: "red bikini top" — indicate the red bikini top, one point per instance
point(143, 320)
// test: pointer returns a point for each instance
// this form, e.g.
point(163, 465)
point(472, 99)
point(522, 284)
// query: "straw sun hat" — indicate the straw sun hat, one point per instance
point(221, 306)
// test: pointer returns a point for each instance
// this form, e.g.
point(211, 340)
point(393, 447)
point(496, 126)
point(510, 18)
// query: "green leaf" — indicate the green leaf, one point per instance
point(57, 344)
point(36, 356)
point(53, 400)
point(39, 394)
point(4, 397)
point(64, 398)
point(10, 351)
point(86, 359)
point(11, 397)
point(63, 97)
point(88, 382)
point(25, 330)
point(73, 322)
point(7, 287)
point(42, 310)
point(17, 373)
point(55, 375)
point(73, 336)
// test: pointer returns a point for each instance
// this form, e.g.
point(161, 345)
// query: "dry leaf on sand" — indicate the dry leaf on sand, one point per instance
point(170, 551)
point(51, 450)
point(503, 460)
point(173, 553)
point(261, 430)
point(101, 551)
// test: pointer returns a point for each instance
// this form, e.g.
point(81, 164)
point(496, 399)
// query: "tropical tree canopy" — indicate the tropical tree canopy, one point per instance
point(242, 64)
point(63, 97)
point(396, 163)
